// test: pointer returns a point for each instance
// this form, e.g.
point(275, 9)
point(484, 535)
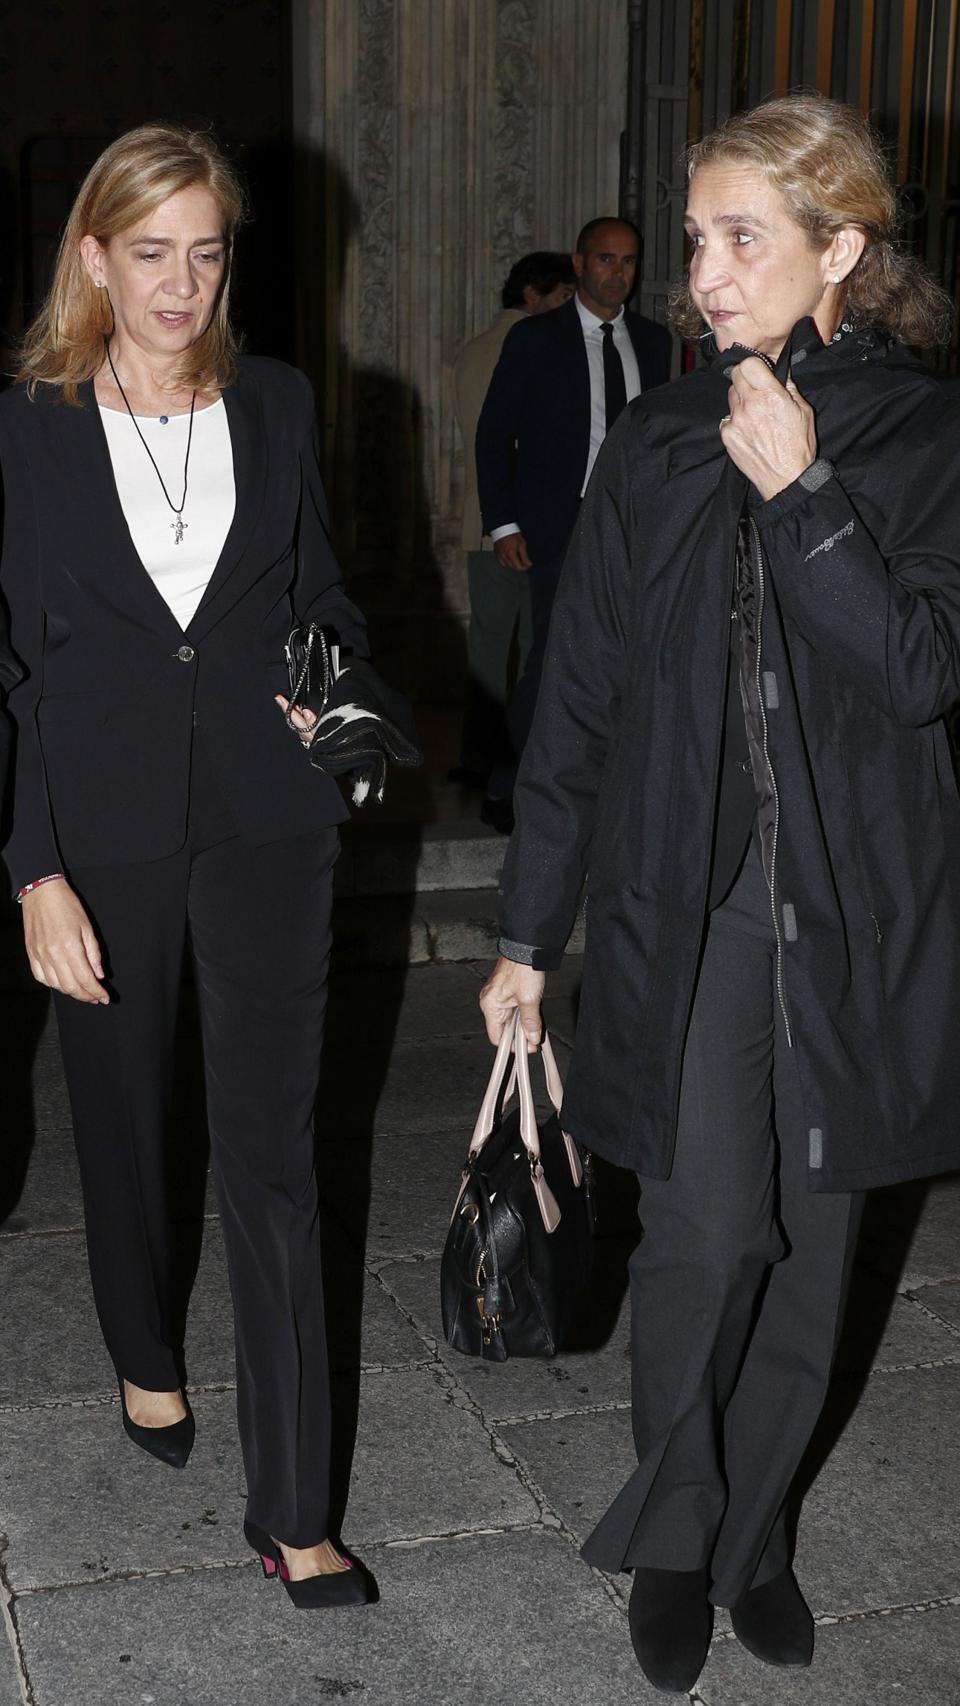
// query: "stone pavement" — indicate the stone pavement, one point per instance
point(125, 1584)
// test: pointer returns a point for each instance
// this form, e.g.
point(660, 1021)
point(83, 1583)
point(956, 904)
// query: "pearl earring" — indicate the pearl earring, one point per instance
point(99, 283)
point(836, 278)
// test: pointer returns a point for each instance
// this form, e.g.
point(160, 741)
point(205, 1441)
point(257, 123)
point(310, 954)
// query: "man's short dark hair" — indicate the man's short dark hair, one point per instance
point(543, 271)
point(592, 225)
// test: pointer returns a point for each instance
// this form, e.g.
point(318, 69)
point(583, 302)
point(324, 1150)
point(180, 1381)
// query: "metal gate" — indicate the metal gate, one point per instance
point(693, 62)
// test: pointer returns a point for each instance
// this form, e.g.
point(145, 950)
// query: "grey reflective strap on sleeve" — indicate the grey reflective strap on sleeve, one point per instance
point(817, 474)
point(521, 952)
point(816, 1148)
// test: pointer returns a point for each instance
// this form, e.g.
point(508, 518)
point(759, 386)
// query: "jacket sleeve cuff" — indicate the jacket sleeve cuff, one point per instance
point(811, 480)
point(524, 954)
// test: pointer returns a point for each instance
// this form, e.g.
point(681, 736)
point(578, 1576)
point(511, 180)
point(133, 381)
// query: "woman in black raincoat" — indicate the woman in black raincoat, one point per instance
point(740, 737)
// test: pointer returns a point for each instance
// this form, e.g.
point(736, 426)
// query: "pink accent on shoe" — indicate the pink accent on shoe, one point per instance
point(269, 1566)
point(284, 1572)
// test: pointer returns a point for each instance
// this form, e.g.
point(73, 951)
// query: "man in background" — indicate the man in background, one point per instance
point(560, 383)
point(499, 597)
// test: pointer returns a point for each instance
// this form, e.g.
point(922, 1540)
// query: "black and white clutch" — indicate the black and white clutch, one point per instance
point(362, 724)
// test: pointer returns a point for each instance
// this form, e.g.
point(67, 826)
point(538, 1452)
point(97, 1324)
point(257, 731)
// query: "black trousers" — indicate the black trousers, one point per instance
point(543, 579)
point(737, 1285)
point(258, 919)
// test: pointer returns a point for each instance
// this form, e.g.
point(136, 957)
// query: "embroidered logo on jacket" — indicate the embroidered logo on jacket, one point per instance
point(828, 544)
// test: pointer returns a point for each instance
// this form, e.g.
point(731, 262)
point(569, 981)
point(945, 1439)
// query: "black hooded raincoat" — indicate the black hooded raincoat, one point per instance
point(859, 661)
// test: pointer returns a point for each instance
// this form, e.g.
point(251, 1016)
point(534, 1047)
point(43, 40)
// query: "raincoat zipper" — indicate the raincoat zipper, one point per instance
point(761, 591)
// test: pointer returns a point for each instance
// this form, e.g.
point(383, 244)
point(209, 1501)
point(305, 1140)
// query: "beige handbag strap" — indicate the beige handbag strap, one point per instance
point(514, 1040)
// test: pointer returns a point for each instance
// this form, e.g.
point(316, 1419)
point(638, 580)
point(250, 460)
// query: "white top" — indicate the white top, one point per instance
point(179, 572)
point(593, 343)
point(593, 340)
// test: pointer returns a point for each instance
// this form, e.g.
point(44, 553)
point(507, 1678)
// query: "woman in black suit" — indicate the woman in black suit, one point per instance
point(164, 523)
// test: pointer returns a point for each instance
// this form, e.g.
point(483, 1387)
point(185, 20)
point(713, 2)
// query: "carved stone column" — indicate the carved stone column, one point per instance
point(438, 141)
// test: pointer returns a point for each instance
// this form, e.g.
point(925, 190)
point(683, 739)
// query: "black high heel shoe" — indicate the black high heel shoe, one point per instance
point(171, 1445)
point(353, 1586)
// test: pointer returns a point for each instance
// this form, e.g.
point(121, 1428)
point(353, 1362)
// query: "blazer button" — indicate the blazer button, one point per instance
point(186, 654)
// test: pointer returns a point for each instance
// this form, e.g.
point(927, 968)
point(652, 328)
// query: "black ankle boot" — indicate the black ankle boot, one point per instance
point(774, 1622)
point(671, 1621)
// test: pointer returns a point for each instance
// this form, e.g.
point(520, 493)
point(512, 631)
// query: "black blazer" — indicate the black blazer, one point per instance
point(113, 691)
point(539, 400)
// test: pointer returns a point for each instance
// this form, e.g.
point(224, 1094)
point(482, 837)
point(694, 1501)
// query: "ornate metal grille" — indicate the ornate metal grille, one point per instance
point(692, 62)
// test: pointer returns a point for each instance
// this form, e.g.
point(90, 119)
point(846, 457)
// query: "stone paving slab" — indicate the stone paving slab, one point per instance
point(82, 1503)
point(408, 1002)
point(48, 1196)
point(51, 1104)
point(378, 930)
point(904, 1659)
point(396, 1196)
point(888, 1331)
point(524, 1385)
point(578, 1462)
point(10, 1694)
point(880, 1522)
point(910, 1232)
point(58, 1351)
point(50, 1343)
point(942, 1299)
point(364, 1326)
point(508, 1620)
point(934, 1252)
point(422, 1086)
point(423, 1465)
point(396, 1193)
point(409, 856)
point(463, 926)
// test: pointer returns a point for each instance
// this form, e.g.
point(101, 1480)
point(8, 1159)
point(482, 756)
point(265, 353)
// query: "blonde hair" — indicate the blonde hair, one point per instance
point(132, 177)
point(829, 167)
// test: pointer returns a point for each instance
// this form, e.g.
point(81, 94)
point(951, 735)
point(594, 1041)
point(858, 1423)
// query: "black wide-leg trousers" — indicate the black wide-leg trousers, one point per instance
point(737, 1285)
point(258, 920)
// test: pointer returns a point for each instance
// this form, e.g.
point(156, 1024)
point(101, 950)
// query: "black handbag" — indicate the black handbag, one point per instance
point(362, 724)
point(518, 1251)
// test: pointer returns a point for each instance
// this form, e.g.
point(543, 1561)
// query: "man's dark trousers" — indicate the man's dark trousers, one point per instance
point(544, 578)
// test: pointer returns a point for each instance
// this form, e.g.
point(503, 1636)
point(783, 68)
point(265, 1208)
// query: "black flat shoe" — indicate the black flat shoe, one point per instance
point(774, 1622)
point(354, 1586)
point(171, 1445)
point(671, 1621)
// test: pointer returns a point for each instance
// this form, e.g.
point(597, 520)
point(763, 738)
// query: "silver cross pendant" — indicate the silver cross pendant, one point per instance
point(178, 529)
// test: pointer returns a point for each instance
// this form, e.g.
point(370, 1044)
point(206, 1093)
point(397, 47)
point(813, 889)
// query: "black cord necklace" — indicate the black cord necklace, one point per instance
point(179, 525)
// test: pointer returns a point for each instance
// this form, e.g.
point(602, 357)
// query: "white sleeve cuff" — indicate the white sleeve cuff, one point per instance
point(502, 532)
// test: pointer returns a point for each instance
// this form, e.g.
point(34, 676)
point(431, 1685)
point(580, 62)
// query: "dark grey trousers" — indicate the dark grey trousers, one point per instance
point(499, 609)
point(737, 1285)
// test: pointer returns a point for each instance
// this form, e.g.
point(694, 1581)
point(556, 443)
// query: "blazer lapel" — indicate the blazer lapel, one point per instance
point(120, 563)
point(116, 562)
point(576, 366)
point(248, 443)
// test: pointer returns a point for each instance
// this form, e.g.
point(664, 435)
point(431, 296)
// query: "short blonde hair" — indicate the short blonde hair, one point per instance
point(134, 175)
point(829, 167)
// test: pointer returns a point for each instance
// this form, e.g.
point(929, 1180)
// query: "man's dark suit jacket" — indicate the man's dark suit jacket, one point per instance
point(112, 689)
point(539, 396)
